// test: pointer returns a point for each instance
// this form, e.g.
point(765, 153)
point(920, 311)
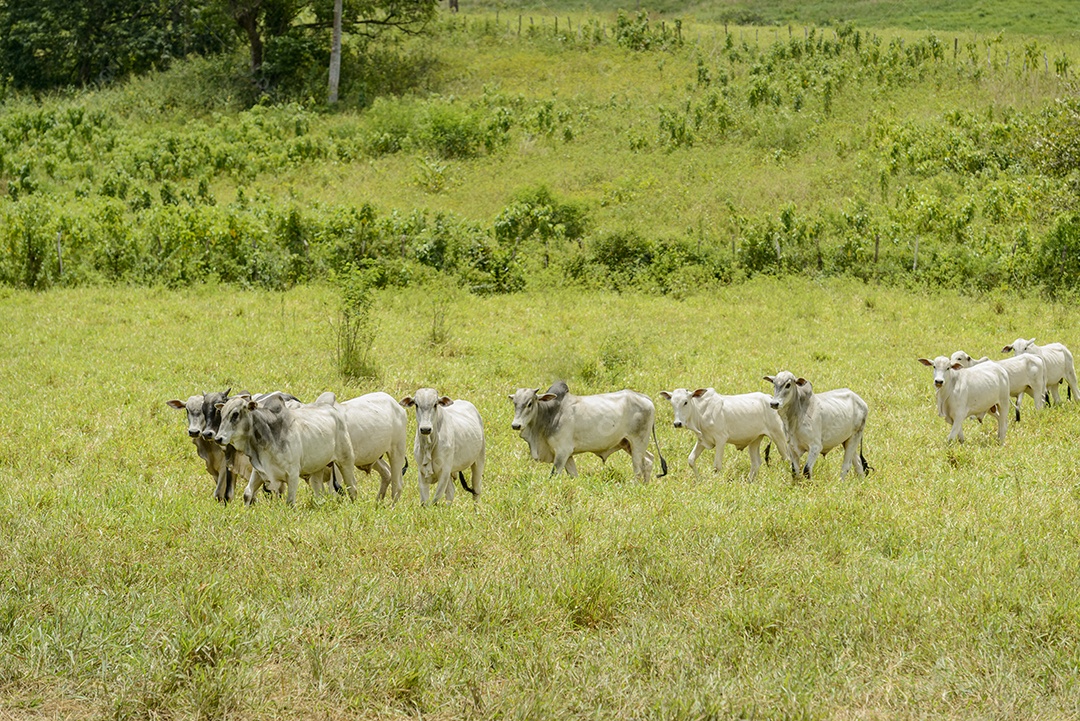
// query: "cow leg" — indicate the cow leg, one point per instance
point(637, 458)
point(699, 448)
point(957, 432)
point(317, 481)
point(718, 459)
point(1070, 379)
point(397, 466)
point(386, 478)
point(348, 473)
point(1055, 391)
point(477, 476)
point(811, 459)
point(851, 450)
point(254, 484)
point(561, 461)
point(424, 485)
point(224, 478)
point(440, 487)
point(294, 484)
point(647, 465)
point(1003, 422)
point(754, 449)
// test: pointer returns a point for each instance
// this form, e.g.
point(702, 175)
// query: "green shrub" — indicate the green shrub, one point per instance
point(1057, 263)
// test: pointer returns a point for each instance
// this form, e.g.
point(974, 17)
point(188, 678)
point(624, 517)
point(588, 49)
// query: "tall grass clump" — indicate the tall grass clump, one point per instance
point(355, 326)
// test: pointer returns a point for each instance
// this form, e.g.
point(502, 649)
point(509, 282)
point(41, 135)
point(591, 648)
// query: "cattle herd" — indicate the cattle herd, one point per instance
point(274, 440)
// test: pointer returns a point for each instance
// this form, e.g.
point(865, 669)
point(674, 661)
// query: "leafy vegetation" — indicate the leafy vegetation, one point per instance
point(904, 159)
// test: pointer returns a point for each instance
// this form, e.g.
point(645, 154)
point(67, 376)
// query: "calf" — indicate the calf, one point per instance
point(449, 439)
point(741, 420)
point(1027, 374)
point(557, 425)
point(1058, 361)
point(815, 423)
point(961, 392)
point(285, 443)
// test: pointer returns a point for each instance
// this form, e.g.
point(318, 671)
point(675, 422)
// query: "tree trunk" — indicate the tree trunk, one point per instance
point(249, 21)
point(335, 54)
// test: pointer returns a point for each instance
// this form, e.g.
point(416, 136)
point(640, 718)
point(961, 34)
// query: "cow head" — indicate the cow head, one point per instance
point(1020, 346)
point(682, 403)
point(525, 402)
point(211, 415)
point(425, 401)
point(196, 417)
point(785, 388)
point(235, 418)
point(941, 366)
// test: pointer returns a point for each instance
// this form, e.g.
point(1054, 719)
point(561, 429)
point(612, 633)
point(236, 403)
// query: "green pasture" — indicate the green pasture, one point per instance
point(942, 585)
point(1033, 17)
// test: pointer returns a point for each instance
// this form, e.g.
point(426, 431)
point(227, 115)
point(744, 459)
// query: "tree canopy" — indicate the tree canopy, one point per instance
point(46, 44)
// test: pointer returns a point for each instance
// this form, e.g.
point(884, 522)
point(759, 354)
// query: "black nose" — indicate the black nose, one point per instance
point(939, 383)
point(678, 424)
point(193, 434)
point(220, 440)
point(774, 405)
point(425, 431)
point(516, 426)
point(207, 434)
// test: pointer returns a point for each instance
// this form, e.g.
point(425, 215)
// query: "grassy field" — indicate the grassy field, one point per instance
point(1033, 17)
point(942, 585)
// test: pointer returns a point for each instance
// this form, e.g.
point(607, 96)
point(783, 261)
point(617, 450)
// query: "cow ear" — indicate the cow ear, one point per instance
point(1007, 349)
point(547, 397)
point(175, 404)
point(252, 405)
point(800, 381)
point(926, 361)
point(219, 406)
point(698, 393)
point(511, 396)
point(406, 402)
point(245, 395)
point(956, 366)
point(445, 401)
point(665, 395)
point(769, 379)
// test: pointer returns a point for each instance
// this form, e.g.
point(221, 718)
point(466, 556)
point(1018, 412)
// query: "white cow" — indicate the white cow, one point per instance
point(1058, 360)
point(815, 423)
point(1027, 374)
point(286, 443)
point(449, 439)
point(377, 427)
point(961, 392)
point(741, 420)
point(557, 425)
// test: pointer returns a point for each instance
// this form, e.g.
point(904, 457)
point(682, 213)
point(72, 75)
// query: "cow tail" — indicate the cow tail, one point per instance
point(405, 467)
point(334, 480)
point(862, 459)
point(464, 485)
point(659, 454)
point(768, 447)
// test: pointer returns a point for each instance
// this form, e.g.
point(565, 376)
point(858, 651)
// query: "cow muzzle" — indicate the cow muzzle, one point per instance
point(425, 431)
point(220, 440)
point(774, 404)
point(516, 426)
point(207, 434)
point(938, 384)
point(677, 424)
point(193, 433)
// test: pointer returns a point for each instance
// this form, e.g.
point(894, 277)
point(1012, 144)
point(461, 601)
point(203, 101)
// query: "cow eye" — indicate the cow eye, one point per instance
point(235, 416)
point(787, 385)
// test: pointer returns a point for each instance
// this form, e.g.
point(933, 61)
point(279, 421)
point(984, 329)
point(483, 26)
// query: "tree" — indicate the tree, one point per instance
point(50, 43)
point(260, 20)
